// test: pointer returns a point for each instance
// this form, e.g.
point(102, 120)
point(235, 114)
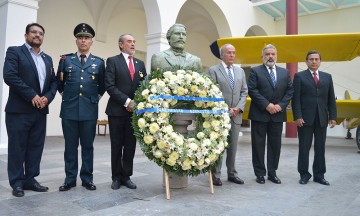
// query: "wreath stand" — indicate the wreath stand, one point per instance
point(181, 122)
point(167, 184)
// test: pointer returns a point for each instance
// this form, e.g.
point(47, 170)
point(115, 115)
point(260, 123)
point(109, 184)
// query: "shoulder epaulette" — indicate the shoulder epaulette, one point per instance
point(63, 57)
point(94, 56)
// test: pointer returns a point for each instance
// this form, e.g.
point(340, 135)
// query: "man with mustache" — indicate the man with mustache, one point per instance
point(175, 57)
point(29, 73)
point(270, 89)
point(81, 84)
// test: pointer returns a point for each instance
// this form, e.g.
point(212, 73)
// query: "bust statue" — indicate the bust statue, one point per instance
point(175, 56)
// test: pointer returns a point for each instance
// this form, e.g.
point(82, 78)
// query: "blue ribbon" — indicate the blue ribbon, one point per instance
point(217, 112)
point(184, 98)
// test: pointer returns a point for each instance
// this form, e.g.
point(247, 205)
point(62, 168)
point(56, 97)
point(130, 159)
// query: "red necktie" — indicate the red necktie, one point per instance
point(316, 79)
point(131, 68)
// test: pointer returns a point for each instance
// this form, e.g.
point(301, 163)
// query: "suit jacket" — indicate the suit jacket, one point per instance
point(21, 75)
point(262, 92)
point(119, 85)
point(233, 97)
point(308, 98)
point(81, 86)
point(166, 60)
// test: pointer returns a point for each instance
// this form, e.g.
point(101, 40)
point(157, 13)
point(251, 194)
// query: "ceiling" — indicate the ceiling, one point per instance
point(277, 8)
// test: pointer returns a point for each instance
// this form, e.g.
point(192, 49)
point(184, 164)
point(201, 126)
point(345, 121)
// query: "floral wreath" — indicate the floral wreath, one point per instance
point(161, 95)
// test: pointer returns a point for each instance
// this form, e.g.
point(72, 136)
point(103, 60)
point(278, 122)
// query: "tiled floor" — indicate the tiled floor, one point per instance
point(289, 198)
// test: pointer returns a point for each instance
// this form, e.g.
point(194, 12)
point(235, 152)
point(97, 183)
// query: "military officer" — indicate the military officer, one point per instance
point(80, 78)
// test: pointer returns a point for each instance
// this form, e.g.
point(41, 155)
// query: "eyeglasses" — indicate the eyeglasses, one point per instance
point(37, 32)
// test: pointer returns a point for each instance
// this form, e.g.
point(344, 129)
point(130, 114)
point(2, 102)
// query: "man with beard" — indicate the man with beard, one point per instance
point(122, 78)
point(29, 73)
point(175, 57)
point(81, 83)
point(270, 89)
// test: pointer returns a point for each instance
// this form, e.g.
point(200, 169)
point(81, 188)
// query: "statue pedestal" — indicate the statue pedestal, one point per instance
point(181, 122)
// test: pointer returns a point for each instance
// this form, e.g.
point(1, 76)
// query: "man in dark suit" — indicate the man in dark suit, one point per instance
point(122, 78)
point(232, 83)
point(81, 83)
point(29, 73)
point(270, 89)
point(314, 107)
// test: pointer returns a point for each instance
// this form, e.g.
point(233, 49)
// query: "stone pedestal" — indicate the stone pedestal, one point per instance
point(181, 122)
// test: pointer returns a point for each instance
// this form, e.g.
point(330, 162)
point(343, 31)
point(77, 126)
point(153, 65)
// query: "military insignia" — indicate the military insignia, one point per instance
point(141, 74)
point(93, 59)
point(136, 62)
point(72, 57)
point(93, 66)
point(62, 76)
point(93, 77)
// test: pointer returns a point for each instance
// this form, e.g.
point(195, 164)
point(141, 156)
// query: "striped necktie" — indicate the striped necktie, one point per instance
point(232, 82)
point(272, 75)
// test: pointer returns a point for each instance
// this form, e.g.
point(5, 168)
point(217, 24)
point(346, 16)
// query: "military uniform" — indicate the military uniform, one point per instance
point(81, 86)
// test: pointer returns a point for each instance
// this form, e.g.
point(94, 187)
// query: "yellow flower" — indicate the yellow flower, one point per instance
point(148, 139)
point(174, 155)
point(170, 162)
point(161, 144)
point(154, 127)
point(206, 124)
point(215, 123)
point(181, 91)
point(199, 103)
point(194, 88)
point(202, 94)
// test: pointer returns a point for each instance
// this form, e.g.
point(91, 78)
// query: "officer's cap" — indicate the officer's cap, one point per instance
point(84, 30)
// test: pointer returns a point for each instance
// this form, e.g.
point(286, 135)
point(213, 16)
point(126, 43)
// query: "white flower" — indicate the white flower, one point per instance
point(193, 146)
point(140, 106)
point(148, 139)
point(141, 122)
point(200, 135)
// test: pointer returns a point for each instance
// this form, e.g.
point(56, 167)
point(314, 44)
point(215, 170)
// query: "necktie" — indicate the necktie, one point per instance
point(82, 59)
point(131, 68)
point(272, 75)
point(232, 82)
point(316, 79)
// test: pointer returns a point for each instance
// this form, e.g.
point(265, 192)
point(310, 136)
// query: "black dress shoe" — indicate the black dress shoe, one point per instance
point(303, 180)
point(89, 185)
point(321, 181)
point(18, 191)
point(36, 187)
point(260, 179)
point(236, 180)
point(129, 184)
point(217, 182)
point(115, 185)
point(274, 179)
point(66, 187)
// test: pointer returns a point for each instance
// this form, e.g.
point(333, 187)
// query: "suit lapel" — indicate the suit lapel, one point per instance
point(33, 66)
point(267, 75)
point(310, 78)
point(75, 60)
point(124, 66)
point(31, 60)
point(224, 74)
point(48, 70)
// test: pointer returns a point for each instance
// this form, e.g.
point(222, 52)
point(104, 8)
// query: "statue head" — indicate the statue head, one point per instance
point(176, 36)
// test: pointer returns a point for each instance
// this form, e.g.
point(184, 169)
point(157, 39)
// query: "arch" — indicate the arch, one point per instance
point(255, 30)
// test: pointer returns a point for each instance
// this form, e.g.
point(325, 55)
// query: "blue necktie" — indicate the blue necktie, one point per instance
point(232, 82)
point(272, 75)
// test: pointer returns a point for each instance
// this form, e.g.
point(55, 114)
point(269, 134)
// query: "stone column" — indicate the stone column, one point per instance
point(14, 16)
